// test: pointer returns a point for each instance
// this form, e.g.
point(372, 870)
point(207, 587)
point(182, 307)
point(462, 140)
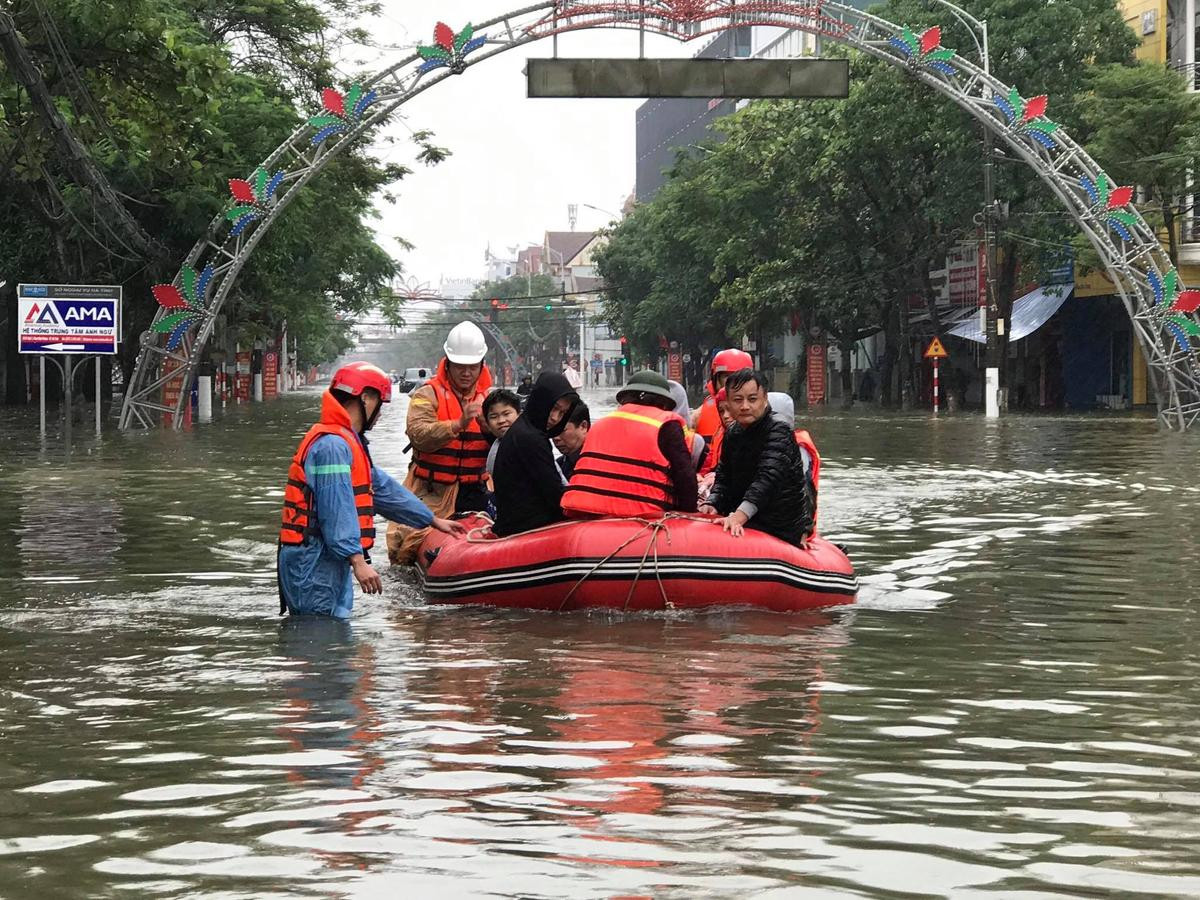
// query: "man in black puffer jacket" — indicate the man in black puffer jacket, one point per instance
point(760, 481)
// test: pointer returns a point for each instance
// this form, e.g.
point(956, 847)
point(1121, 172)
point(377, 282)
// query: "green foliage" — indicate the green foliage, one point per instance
point(172, 98)
point(1143, 128)
point(834, 212)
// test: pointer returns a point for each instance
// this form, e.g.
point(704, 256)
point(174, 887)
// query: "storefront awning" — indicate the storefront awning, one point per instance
point(1029, 313)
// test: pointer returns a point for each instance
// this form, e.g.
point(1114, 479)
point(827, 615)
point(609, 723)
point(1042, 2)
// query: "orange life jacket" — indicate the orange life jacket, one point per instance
point(621, 471)
point(805, 441)
point(714, 452)
point(464, 458)
point(709, 422)
point(297, 495)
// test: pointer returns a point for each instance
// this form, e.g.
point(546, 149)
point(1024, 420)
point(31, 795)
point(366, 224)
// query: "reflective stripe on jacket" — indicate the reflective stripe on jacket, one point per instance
point(297, 495)
point(464, 458)
point(621, 470)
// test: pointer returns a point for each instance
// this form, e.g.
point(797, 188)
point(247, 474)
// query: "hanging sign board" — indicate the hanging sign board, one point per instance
point(68, 318)
point(816, 375)
point(935, 350)
point(270, 374)
point(675, 366)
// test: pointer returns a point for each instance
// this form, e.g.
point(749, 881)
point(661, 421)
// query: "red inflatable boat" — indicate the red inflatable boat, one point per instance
point(675, 562)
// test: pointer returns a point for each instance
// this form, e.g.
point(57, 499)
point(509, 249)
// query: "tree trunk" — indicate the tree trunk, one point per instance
point(887, 365)
point(906, 358)
point(14, 382)
point(847, 376)
point(1168, 211)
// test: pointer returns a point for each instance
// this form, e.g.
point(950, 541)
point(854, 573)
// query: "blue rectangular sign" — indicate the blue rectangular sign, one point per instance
point(68, 318)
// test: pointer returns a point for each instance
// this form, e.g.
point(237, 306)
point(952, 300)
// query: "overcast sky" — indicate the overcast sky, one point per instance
point(516, 162)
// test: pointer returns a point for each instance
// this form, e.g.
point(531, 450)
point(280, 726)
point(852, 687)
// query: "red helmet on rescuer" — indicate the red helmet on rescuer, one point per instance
point(353, 378)
point(731, 360)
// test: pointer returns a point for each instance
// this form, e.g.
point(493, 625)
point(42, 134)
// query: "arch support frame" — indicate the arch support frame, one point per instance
point(1163, 314)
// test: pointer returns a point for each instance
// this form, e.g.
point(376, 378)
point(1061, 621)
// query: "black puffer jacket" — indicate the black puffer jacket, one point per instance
point(527, 482)
point(762, 464)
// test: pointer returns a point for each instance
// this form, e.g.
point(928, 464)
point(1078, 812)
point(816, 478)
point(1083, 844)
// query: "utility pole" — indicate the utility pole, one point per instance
point(993, 324)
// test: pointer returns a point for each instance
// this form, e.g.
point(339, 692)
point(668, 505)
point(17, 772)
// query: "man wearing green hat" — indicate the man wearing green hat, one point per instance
point(635, 461)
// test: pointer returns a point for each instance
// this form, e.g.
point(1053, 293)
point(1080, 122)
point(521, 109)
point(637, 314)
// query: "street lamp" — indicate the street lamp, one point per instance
point(607, 212)
point(991, 311)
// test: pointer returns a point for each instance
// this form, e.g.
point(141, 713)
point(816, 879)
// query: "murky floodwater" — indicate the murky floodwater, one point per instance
point(1010, 709)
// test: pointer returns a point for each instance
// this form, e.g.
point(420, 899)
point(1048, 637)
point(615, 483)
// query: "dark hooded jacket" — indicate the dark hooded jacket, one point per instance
point(762, 465)
point(526, 480)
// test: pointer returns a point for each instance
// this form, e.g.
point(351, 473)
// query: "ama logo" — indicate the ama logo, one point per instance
point(45, 314)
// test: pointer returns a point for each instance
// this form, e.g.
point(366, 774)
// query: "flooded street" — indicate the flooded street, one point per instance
point(1010, 708)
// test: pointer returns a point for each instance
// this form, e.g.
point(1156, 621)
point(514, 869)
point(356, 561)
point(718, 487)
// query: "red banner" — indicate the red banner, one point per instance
point(241, 385)
point(816, 374)
point(270, 375)
point(170, 392)
point(675, 366)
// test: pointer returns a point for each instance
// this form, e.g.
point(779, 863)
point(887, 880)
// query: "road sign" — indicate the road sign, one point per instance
point(816, 375)
point(935, 350)
point(68, 318)
point(675, 366)
point(270, 375)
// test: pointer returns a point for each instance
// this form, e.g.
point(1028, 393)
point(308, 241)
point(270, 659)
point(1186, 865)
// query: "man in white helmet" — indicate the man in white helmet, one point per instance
point(449, 439)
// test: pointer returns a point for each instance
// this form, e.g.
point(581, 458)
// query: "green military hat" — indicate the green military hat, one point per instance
point(645, 382)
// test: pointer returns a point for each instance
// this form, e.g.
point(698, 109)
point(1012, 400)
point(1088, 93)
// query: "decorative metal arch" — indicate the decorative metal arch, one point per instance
point(1164, 315)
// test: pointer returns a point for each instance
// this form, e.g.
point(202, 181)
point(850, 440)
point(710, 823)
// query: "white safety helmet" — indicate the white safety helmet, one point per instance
point(465, 344)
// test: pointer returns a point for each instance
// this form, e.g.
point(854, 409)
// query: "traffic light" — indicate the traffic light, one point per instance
point(624, 352)
point(493, 313)
point(549, 307)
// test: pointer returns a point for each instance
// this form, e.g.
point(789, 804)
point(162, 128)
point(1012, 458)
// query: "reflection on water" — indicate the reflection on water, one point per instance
point(1009, 709)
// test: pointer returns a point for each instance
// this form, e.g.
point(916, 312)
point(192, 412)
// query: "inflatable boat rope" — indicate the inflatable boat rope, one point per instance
point(655, 526)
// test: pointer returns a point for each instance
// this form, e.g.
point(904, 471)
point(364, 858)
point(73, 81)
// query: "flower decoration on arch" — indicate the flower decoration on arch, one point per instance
point(1177, 305)
point(449, 49)
point(254, 198)
point(1028, 117)
point(925, 50)
point(341, 111)
point(184, 307)
point(1109, 203)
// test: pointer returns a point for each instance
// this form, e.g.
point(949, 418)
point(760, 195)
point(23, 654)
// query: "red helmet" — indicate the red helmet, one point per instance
point(353, 378)
point(731, 360)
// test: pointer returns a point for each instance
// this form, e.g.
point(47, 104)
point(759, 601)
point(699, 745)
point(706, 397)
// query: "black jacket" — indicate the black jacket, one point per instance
point(762, 464)
point(526, 480)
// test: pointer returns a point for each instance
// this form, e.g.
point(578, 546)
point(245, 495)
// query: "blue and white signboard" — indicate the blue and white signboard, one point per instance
point(68, 318)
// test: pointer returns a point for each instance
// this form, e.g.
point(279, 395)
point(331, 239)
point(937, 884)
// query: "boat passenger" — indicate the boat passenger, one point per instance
point(635, 462)
point(570, 442)
point(446, 430)
point(332, 495)
point(709, 466)
point(527, 482)
point(696, 444)
point(500, 410)
point(708, 420)
point(760, 480)
point(783, 408)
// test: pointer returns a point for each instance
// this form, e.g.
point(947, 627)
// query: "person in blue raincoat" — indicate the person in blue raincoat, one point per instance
point(332, 496)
